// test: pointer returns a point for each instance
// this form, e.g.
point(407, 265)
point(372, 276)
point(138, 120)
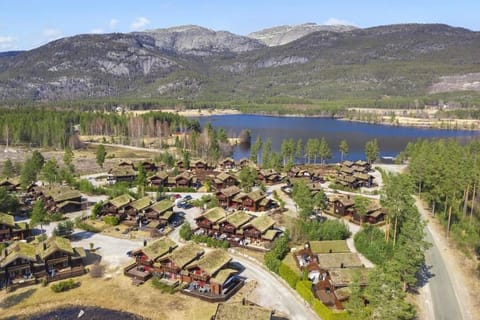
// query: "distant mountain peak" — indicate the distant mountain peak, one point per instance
point(280, 35)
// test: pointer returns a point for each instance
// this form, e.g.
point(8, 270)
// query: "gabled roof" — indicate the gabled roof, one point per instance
point(18, 250)
point(256, 195)
point(162, 206)
point(361, 163)
point(184, 255)
point(53, 244)
point(158, 248)
point(212, 262)
point(347, 202)
point(9, 182)
point(343, 277)
point(122, 200)
point(223, 275)
point(214, 214)
point(271, 234)
point(261, 223)
point(362, 176)
point(122, 171)
point(222, 176)
point(7, 219)
point(184, 175)
point(60, 193)
point(347, 163)
point(160, 175)
point(227, 160)
point(239, 197)
point(141, 203)
point(238, 218)
point(230, 191)
point(335, 260)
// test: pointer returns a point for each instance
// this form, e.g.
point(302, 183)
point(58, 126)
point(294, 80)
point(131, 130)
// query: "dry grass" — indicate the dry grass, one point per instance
point(117, 294)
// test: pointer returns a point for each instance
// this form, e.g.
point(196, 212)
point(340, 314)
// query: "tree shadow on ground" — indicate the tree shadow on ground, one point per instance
point(14, 299)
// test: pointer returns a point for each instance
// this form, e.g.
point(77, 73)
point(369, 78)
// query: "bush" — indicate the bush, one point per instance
point(80, 224)
point(288, 275)
point(304, 289)
point(183, 189)
point(64, 285)
point(186, 232)
point(211, 242)
point(327, 314)
point(64, 229)
point(274, 257)
point(321, 230)
point(110, 220)
point(164, 288)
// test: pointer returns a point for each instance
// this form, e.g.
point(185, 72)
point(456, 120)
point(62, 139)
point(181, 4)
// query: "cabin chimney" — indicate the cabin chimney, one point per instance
point(170, 249)
point(144, 243)
point(6, 252)
point(243, 301)
point(44, 246)
point(342, 265)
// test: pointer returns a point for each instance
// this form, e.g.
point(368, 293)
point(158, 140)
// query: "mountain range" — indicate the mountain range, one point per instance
point(307, 61)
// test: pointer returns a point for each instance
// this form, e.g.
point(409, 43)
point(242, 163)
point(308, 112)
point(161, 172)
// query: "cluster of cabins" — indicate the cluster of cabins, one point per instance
point(354, 175)
point(234, 198)
point(23, 263)
point(342, 205)
point(145, 212)
point(239, 228)
point(210, 275)
point(331, 267)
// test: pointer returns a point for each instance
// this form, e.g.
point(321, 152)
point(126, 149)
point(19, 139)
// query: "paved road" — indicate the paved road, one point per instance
point(273, 293)
point(443, 294)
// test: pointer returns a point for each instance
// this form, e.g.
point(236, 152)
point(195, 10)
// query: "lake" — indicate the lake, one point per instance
point(391, 139)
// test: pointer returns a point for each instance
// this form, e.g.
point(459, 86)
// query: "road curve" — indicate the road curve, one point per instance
point(275, 293)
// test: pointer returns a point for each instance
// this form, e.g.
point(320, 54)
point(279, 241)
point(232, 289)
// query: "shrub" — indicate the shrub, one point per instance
point(110, 220)
point(279, 250)
point(304, 289)
point(80, 224)
point(163, 287)
point(211, 242)
point(64, 285)
point(186, 231)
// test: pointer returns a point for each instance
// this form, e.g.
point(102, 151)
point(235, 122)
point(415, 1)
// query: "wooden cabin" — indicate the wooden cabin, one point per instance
point(149, 166)
point(135, 208)
point(124, 171)
point(58, 198)
point(226, 195)
point(224, 180)
point(256, 201)
point(10, 230)
point(233, 223)
point(11, 185)
point(210, 219)
point(227, 164)
point(209, 274)
point(160, 179)
point(269, 176)
point(260, 228)
point(172, 265)
point(342, 205)
point(60, 258)
point(116, 206)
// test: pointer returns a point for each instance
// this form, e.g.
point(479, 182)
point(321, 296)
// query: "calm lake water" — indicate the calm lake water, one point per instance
point(391, 139)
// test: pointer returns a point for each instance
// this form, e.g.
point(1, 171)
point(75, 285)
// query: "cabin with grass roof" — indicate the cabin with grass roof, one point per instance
point(137, 207)
point(209, 220)
point(161, 210)
point(225, 196)
point(160, 179)
point(254, 201)
point(210, 274)
point(260, 228)
point(60, 257)
point(18, 264)
point(116, 206)
point(172, 266)
point(233, 223)
point(59, 198)
point(11, 230)
point(145, 259)
point(227, 164)
point(10, 184)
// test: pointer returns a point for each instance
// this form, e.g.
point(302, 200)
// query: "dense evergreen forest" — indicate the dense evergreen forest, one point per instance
point(447, 175)
point(54, 128)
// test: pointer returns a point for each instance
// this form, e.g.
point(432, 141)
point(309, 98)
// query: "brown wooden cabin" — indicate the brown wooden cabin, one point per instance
point(269, 176)
point(373, 215)
point(116, 206)
point(145, 258)
point(363, 179)
point(18, 264)
point(203, 165)
point(160, 179)
point(256, 201)
point(11, 185)
point(342, 204)
point(59, 256)
point(135, 208)
point(184, 180)
point(227, 164)
point(224, 180)
point(234, 222)
point(59, 198)
point(208, 274)
point(124, 171)
point(208, 220)
point(180, 165)
point(245, 162)
point(172, 266)
point(260, 228)
point(226, 195)
point(149, 166)
point(160, 211)
point(10, 230)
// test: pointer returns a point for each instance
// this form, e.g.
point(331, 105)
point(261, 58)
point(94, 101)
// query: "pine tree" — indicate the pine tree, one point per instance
point(101, 154)
point(8, 169)
point(343, 148)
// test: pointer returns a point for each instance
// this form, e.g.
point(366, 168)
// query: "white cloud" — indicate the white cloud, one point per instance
point(112, 24)
point(335, 21)
point(140, 23)
point(51, 34)
point(97, 30)
point(6, 42)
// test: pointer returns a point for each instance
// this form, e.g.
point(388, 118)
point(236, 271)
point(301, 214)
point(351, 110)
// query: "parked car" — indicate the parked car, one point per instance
point(187, 197)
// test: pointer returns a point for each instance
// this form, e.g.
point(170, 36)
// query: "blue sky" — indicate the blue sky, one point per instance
point(26, 24)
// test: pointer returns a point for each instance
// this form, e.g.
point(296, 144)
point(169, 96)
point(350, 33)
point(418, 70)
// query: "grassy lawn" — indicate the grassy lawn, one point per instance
point(143, 300)
point(336, 246)
point(289, 261)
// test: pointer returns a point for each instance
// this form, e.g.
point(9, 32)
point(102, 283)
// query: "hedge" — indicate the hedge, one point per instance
point(288, 275)
point(64, 285)
point(304, 289)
